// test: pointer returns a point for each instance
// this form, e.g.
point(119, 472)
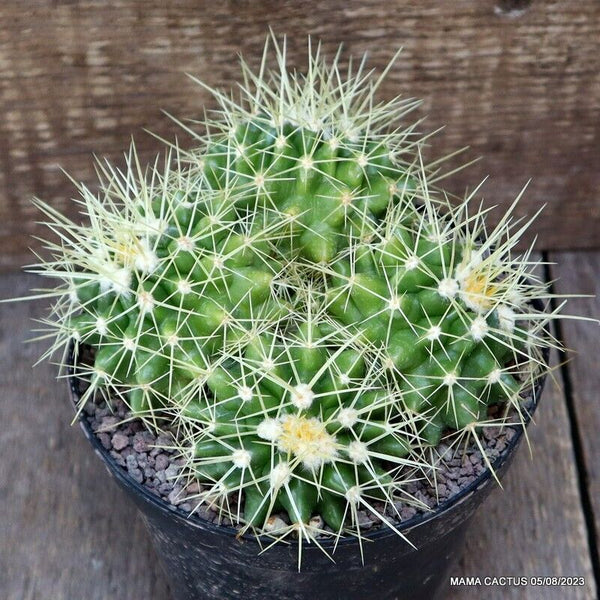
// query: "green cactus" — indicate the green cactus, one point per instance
point(299, 300)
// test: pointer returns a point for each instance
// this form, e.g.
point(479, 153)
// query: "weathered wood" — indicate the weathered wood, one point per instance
point(534, 525)
point(519, 82)
point(66, 533)
point(580, 273)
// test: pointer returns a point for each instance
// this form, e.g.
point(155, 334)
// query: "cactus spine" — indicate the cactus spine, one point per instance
point(299, 299)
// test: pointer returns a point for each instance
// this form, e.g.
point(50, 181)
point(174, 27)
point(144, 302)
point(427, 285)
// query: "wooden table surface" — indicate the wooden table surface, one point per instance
point(518, 81)
point(67, 533)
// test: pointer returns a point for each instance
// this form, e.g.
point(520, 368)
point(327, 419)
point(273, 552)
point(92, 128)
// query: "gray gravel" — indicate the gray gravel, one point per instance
point(149, 460)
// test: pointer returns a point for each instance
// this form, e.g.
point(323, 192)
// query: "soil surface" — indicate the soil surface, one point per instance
point(152, 461)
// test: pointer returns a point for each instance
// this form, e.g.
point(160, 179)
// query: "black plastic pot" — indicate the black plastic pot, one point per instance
point(207, 561)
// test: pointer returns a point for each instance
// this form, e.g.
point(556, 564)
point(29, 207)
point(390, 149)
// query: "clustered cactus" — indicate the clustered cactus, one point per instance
point(298, 298)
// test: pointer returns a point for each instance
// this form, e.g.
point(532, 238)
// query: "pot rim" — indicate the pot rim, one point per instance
point(531, 402)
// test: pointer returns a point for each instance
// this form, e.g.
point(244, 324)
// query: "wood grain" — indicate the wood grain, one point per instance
point(580, 273)
point(67, 533)
point(517, 81)
point(534, 525)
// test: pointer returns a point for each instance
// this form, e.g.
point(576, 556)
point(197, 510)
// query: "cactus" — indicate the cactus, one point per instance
point(299, 300)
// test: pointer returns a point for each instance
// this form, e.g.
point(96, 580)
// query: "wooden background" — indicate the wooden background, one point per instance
point(517, 80)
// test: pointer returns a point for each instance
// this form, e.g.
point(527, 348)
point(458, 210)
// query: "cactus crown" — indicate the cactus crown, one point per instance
point(299, 300)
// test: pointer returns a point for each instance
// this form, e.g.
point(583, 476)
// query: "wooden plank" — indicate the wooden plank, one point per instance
point(520, 85)
point(67, 533)
point(533, 526)
point(580, 273)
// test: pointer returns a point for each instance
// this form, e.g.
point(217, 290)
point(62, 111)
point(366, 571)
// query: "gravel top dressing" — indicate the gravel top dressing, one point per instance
point(152, 461)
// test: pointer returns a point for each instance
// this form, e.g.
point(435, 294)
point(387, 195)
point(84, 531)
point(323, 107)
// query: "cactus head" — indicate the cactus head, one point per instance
point(299, 301)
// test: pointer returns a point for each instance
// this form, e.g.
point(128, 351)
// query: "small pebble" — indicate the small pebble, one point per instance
point(136, 474)
point(467, 469)
point(119, 441)
point(175, 497)
point(364, 520)
point(452, 474)
point(127, 451)
point(164, 440)
point(172, 471)
point(161, 462)
point(109, 422)
point(480, 469)
point(489, 433)
point(118, 458)
point(205, 513)
point(105, 440)
point(476, 458)
point(125, 429)
point(193, 488)
point(444, 451)
point(275, 523)
point(165, 487)
point(140, 442)
point(408, 512)
point(453, 487)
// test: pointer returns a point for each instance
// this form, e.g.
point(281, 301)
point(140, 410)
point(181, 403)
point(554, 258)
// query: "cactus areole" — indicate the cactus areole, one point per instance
point(299, 299)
